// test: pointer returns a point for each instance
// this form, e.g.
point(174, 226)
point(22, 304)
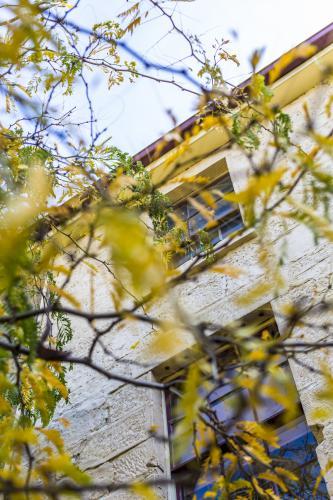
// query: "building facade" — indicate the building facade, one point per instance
point(110, 433)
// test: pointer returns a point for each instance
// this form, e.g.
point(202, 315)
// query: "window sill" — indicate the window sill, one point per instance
point(219, 250)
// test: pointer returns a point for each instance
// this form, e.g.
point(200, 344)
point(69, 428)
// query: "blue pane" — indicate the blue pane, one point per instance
point(302, 451)
point(299, 451)
point(191, 209)
point(225, 185)
point(196, 223)
point(214, 236)
point(201, 490)
point(181, 211)
point(232, 225)
point(223, 208)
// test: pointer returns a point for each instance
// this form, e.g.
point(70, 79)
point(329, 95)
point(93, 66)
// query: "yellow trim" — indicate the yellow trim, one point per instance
point(212, 167)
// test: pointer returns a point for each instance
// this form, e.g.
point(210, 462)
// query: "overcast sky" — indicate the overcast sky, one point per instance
point(135, 114)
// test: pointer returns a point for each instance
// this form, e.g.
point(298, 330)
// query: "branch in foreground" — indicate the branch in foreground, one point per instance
point(148, 64)
point(67, 487)
point(65, 357)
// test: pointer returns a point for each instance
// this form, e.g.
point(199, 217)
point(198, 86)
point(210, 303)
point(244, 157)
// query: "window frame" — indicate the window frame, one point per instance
point(234, 212)
point(294, 430)
point(291, 427)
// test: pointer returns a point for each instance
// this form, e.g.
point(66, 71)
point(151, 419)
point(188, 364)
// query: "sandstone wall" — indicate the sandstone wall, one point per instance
point(109, 435)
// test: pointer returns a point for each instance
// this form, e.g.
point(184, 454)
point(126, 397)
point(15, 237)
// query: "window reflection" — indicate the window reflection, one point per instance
point(297, 450)
point(226, 214)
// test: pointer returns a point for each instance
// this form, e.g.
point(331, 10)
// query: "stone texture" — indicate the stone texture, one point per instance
point(109, 432)
point(145, 461)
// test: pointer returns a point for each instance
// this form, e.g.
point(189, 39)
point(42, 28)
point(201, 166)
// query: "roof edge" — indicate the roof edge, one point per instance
point(321, 40)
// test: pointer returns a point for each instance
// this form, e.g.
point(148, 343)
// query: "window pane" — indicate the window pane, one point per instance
point(181, 258)
point(231, 225)
point(196, 223)
point(191, 210)
point(223, 208)
point(299, 449)
point(214, 235)
point(225, 185)
point(181, 211)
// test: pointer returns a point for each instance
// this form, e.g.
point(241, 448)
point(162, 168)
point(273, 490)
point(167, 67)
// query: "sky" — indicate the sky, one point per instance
point(136, 114)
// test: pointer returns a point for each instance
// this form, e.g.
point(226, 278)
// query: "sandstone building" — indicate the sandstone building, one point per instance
point(109, 436)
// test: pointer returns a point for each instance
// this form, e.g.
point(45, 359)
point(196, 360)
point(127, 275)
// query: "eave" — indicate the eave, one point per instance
point(297, 78)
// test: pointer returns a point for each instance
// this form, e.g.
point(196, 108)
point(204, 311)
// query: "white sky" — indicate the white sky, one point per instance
point(135, 114)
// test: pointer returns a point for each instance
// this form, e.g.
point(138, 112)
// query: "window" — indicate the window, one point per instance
point(297, 443)
point(227, 216)
point(298, 446)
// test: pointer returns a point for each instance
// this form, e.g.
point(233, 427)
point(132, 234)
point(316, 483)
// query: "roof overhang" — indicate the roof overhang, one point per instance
point(297, 78)
point(286, 89)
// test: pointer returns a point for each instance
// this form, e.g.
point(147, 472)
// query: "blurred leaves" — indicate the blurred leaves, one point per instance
point(70, 199)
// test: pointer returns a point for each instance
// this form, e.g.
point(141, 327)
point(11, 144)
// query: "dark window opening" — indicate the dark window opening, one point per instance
point(297, 450)
point(297, 453)
point(226, 215)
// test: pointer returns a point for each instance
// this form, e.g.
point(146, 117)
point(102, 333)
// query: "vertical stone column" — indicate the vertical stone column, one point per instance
point(309, 281)
point(120, 448)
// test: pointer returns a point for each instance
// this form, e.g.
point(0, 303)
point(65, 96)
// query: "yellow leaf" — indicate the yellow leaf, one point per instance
point(254, 293)
point(208, 198)
point(210, 494)
point(207, 214)
point(320, 223)
point(240, 484)
point(144, 491)
point(325, 393)
point(54, 437)
point(64, 421)
point(54, 382)
point(324, 471)
point(287, 473)
point(180, 223)
point(260, 431)
point(326, 143)
point(328, 107)
point(305, 50)
point(60, 269)
point(257, 355)
point(91, 266)
point(133, 24)
point(168, 340)
point(321, 413)
point(188, 407)
point(270, 476)
point(258, 488)
point(209, 122)
point(133, 253)
point(284, 396)
point(18, 219)
point(63, 465)
point(204, 437)
point(25, 435)
point(65, 295)
point(255, 58)
point(259, 187)
point(229, 270)
point(135, 345)
point(192, 179)
point(5, 407)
